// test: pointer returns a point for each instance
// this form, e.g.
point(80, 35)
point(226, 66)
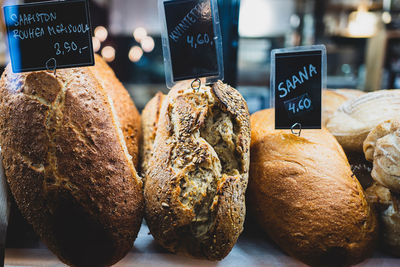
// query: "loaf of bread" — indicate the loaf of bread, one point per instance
point(302, 194)
point(67, 163)
point(333, 99)
point(128, 115)
point(382, 147)
point(195, 188)
point(150, 116)
point(387, 206)
point(353, 121)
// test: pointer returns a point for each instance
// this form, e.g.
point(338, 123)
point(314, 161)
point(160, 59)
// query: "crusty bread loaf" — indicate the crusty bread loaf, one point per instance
point(333, 99)
point(353, 121)
point(150, 116)
point(382, 147)
point(302, 193)
point(67, 162)
point(128, 115)
point(387, 206)
point(195, 188)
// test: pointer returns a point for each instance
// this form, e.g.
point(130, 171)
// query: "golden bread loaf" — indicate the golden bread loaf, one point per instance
point(302, 194)
point(67, 163)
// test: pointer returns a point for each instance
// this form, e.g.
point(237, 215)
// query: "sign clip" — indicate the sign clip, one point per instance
point(297, 124)
point(196, 84)
point(52, 67)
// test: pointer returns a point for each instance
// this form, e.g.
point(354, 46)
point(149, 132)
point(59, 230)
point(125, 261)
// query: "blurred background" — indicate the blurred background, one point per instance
point(362, 39)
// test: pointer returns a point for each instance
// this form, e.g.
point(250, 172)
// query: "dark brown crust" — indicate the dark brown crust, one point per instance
point(302, 193)
point(150, 116)
point(67, 165)
point(170, 221)
point(128, 115)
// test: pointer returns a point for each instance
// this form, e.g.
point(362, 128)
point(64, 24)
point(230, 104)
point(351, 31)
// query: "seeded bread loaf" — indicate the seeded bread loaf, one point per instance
point(302, 194)
point(150, 116)
point(194, 190)
point(67, 162)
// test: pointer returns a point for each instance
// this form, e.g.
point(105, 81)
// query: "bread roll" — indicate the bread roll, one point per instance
point(353, 121)
point(67, 162)
point(333, 99)
point(387, 205)
point(150, 116)
point(195, 188)
point(302, 193)
point(382, 147)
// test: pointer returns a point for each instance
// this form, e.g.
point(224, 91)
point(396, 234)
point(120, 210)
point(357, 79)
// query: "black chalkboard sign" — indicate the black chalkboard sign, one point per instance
point(192, 40)
point(297, 81)
point(44, 34)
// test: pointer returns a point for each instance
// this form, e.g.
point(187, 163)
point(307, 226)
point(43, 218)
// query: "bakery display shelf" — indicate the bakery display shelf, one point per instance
point(252, 249)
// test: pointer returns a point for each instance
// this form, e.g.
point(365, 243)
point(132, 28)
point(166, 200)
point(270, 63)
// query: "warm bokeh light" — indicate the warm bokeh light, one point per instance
point(135, 53)
point(362, 23)
point(386, 17)
point(108, 53)
point(139, 34)
point(147, 44)
point(101, 33)
point(96, 44)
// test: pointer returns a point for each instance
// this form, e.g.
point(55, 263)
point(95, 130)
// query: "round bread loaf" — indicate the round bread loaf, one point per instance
point(333, 99)
point(302, 194)
point(353, 121)
point(195, 188)
point(67, 162)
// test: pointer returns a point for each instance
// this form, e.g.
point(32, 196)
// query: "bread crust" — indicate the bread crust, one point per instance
point(128, 115)
point(150, 116)
point(387, 206)
point(302, 193)
point(67, 164)
point(382, 148)
point(333, 99)
point(195, 188)
point(353, 121)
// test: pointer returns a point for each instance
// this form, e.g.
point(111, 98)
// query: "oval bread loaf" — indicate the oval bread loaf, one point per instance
point(302, 193)
point(195, 188)
point(67, 162)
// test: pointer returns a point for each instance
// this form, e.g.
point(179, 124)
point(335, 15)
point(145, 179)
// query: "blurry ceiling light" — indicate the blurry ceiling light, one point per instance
point(139, 34)
point(135, 53)
point(101, 33)
point(362, 23)
point(108, 53)
point(386, 17)
point(96, 44)
point(147, 44)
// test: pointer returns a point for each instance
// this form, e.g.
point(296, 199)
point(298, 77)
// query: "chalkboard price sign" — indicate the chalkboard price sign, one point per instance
point(58, 32)
point(191, 40)
point(297, 78)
